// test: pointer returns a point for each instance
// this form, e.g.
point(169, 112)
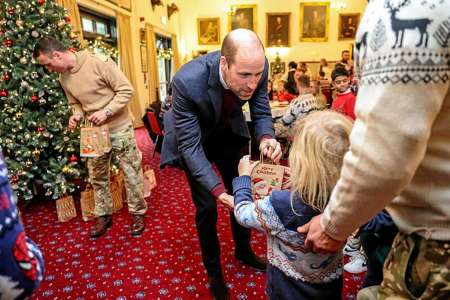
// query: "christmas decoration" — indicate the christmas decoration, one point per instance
point(34, 111)
point(73, 158)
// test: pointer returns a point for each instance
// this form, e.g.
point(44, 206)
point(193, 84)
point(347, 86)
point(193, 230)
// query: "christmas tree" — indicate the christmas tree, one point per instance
point(40, 152)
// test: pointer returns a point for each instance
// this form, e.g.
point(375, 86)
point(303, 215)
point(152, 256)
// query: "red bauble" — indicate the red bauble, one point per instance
point(5, 76)
point(8, 42)
point(40, 129)
point(67, 19)
point(73, 158)
point(2, 32)
point(3, 93)
point(40, 2)
point(34, 98)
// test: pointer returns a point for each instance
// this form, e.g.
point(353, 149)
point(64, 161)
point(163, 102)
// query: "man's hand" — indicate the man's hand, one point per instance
point(226, 200)
point(73, 121)
point(317, 240)
point(271, 149)
point(245, 166)
point(98, 117)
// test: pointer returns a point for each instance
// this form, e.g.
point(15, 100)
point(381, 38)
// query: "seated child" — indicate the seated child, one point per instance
point(321, 139)
point(345, 99)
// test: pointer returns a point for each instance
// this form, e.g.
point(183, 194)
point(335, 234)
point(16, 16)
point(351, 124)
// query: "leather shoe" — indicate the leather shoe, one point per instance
point(138, 225)
point(102, 223)
point(218, 287)
point(252, 260)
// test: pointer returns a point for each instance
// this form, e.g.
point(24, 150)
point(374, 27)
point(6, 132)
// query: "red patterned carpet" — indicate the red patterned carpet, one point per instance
point(163, 263)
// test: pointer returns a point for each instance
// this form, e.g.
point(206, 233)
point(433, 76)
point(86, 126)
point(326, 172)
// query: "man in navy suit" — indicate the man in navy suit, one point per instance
point(206, 125)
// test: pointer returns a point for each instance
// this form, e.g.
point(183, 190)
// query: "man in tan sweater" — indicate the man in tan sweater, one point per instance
point(99, 92)
point(400, 147)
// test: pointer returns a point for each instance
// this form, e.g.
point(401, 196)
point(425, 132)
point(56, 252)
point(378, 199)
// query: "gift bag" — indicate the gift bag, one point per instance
point(65, 208)
point(87, 203)
point(94, 140)
point(266, 178)
point(116, 187)
point(149, 181)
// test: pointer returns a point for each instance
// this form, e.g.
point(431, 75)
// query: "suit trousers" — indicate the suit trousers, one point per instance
point(224, 150)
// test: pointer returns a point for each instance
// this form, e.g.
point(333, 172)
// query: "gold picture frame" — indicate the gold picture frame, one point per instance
point(314, 21)
point(348, 25)
point(242, 16)
point(208, 31)
point(277, 29)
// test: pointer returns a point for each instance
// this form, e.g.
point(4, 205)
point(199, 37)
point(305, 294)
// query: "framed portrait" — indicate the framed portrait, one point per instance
point(277, 29)
point(242, 16)
point(314, 20)
point(208, 30)
point(348, 24)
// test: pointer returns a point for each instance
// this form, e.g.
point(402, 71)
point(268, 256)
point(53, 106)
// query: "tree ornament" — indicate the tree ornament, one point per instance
point(42, 101)
point(35, 34)
point(67, 19)
point(23, 60)
point(34, 75)
point(19, 114)
point(28, 163)
point(24, 84)
point(73, 158)
point(61, 23)
point(34, 98)
point(8, 42)
point(10, 10)
point(3, 93)
point(19, 23)
point(40, 2)
point(40, 129)
point(66, 170)
point(36, 152)
point(5, 77)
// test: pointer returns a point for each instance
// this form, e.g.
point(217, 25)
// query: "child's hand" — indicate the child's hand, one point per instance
point(245, 166)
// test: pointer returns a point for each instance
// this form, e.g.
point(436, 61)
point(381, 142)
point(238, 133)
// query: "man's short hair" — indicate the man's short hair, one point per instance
point(292, 65)
point(47, 45)
point(339, 71)
point(345, 51)
point(230, 47)
point(304, 81)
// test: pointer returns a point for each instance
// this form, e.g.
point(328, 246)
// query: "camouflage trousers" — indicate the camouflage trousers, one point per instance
point(125, 150)
point(416, 268)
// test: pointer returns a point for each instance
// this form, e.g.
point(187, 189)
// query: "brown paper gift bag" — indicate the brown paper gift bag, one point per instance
point(65, 208)
point(87, 203)
point(117, 193)
point(94, 141)
point(266, 178)
point(149, 181)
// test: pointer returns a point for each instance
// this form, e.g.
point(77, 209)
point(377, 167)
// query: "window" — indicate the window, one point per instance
point(164, 52)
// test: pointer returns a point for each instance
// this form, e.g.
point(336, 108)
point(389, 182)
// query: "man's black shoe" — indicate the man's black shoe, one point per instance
point(218, 287)
point(252, 260)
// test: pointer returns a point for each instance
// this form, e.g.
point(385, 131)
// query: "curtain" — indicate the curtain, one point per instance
point(127, 62)
point(74, 15)
point(153, 80)
point(176, 54)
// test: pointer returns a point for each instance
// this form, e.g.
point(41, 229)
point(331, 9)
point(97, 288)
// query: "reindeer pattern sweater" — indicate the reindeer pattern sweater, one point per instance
point(400, 143)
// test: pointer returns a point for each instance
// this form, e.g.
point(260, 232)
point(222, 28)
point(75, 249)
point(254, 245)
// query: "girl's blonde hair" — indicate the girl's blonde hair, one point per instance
point(320, 141)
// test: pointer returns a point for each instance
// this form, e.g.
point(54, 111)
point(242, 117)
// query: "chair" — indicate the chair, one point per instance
point(154, 126)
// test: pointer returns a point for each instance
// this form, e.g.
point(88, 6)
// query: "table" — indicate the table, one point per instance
point(277, 110)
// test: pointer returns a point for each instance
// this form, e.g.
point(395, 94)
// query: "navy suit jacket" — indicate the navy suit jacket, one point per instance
point(195, 115)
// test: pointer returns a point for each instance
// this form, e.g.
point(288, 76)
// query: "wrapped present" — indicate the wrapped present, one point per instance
point(87, 204)
point(266, 177)
point(65, 208)
point(149, 181)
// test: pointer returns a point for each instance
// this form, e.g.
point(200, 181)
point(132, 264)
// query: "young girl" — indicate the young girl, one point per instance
point(315, 159)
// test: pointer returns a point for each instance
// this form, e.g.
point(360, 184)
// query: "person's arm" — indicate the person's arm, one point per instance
point(119, 83)
point(259, 215)
point(260, 113)
point(75, 105)
point(388, 143)
point(188, 133)
point(22, 265)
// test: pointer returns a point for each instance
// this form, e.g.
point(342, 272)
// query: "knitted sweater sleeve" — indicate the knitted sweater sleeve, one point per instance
point(395, 111)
